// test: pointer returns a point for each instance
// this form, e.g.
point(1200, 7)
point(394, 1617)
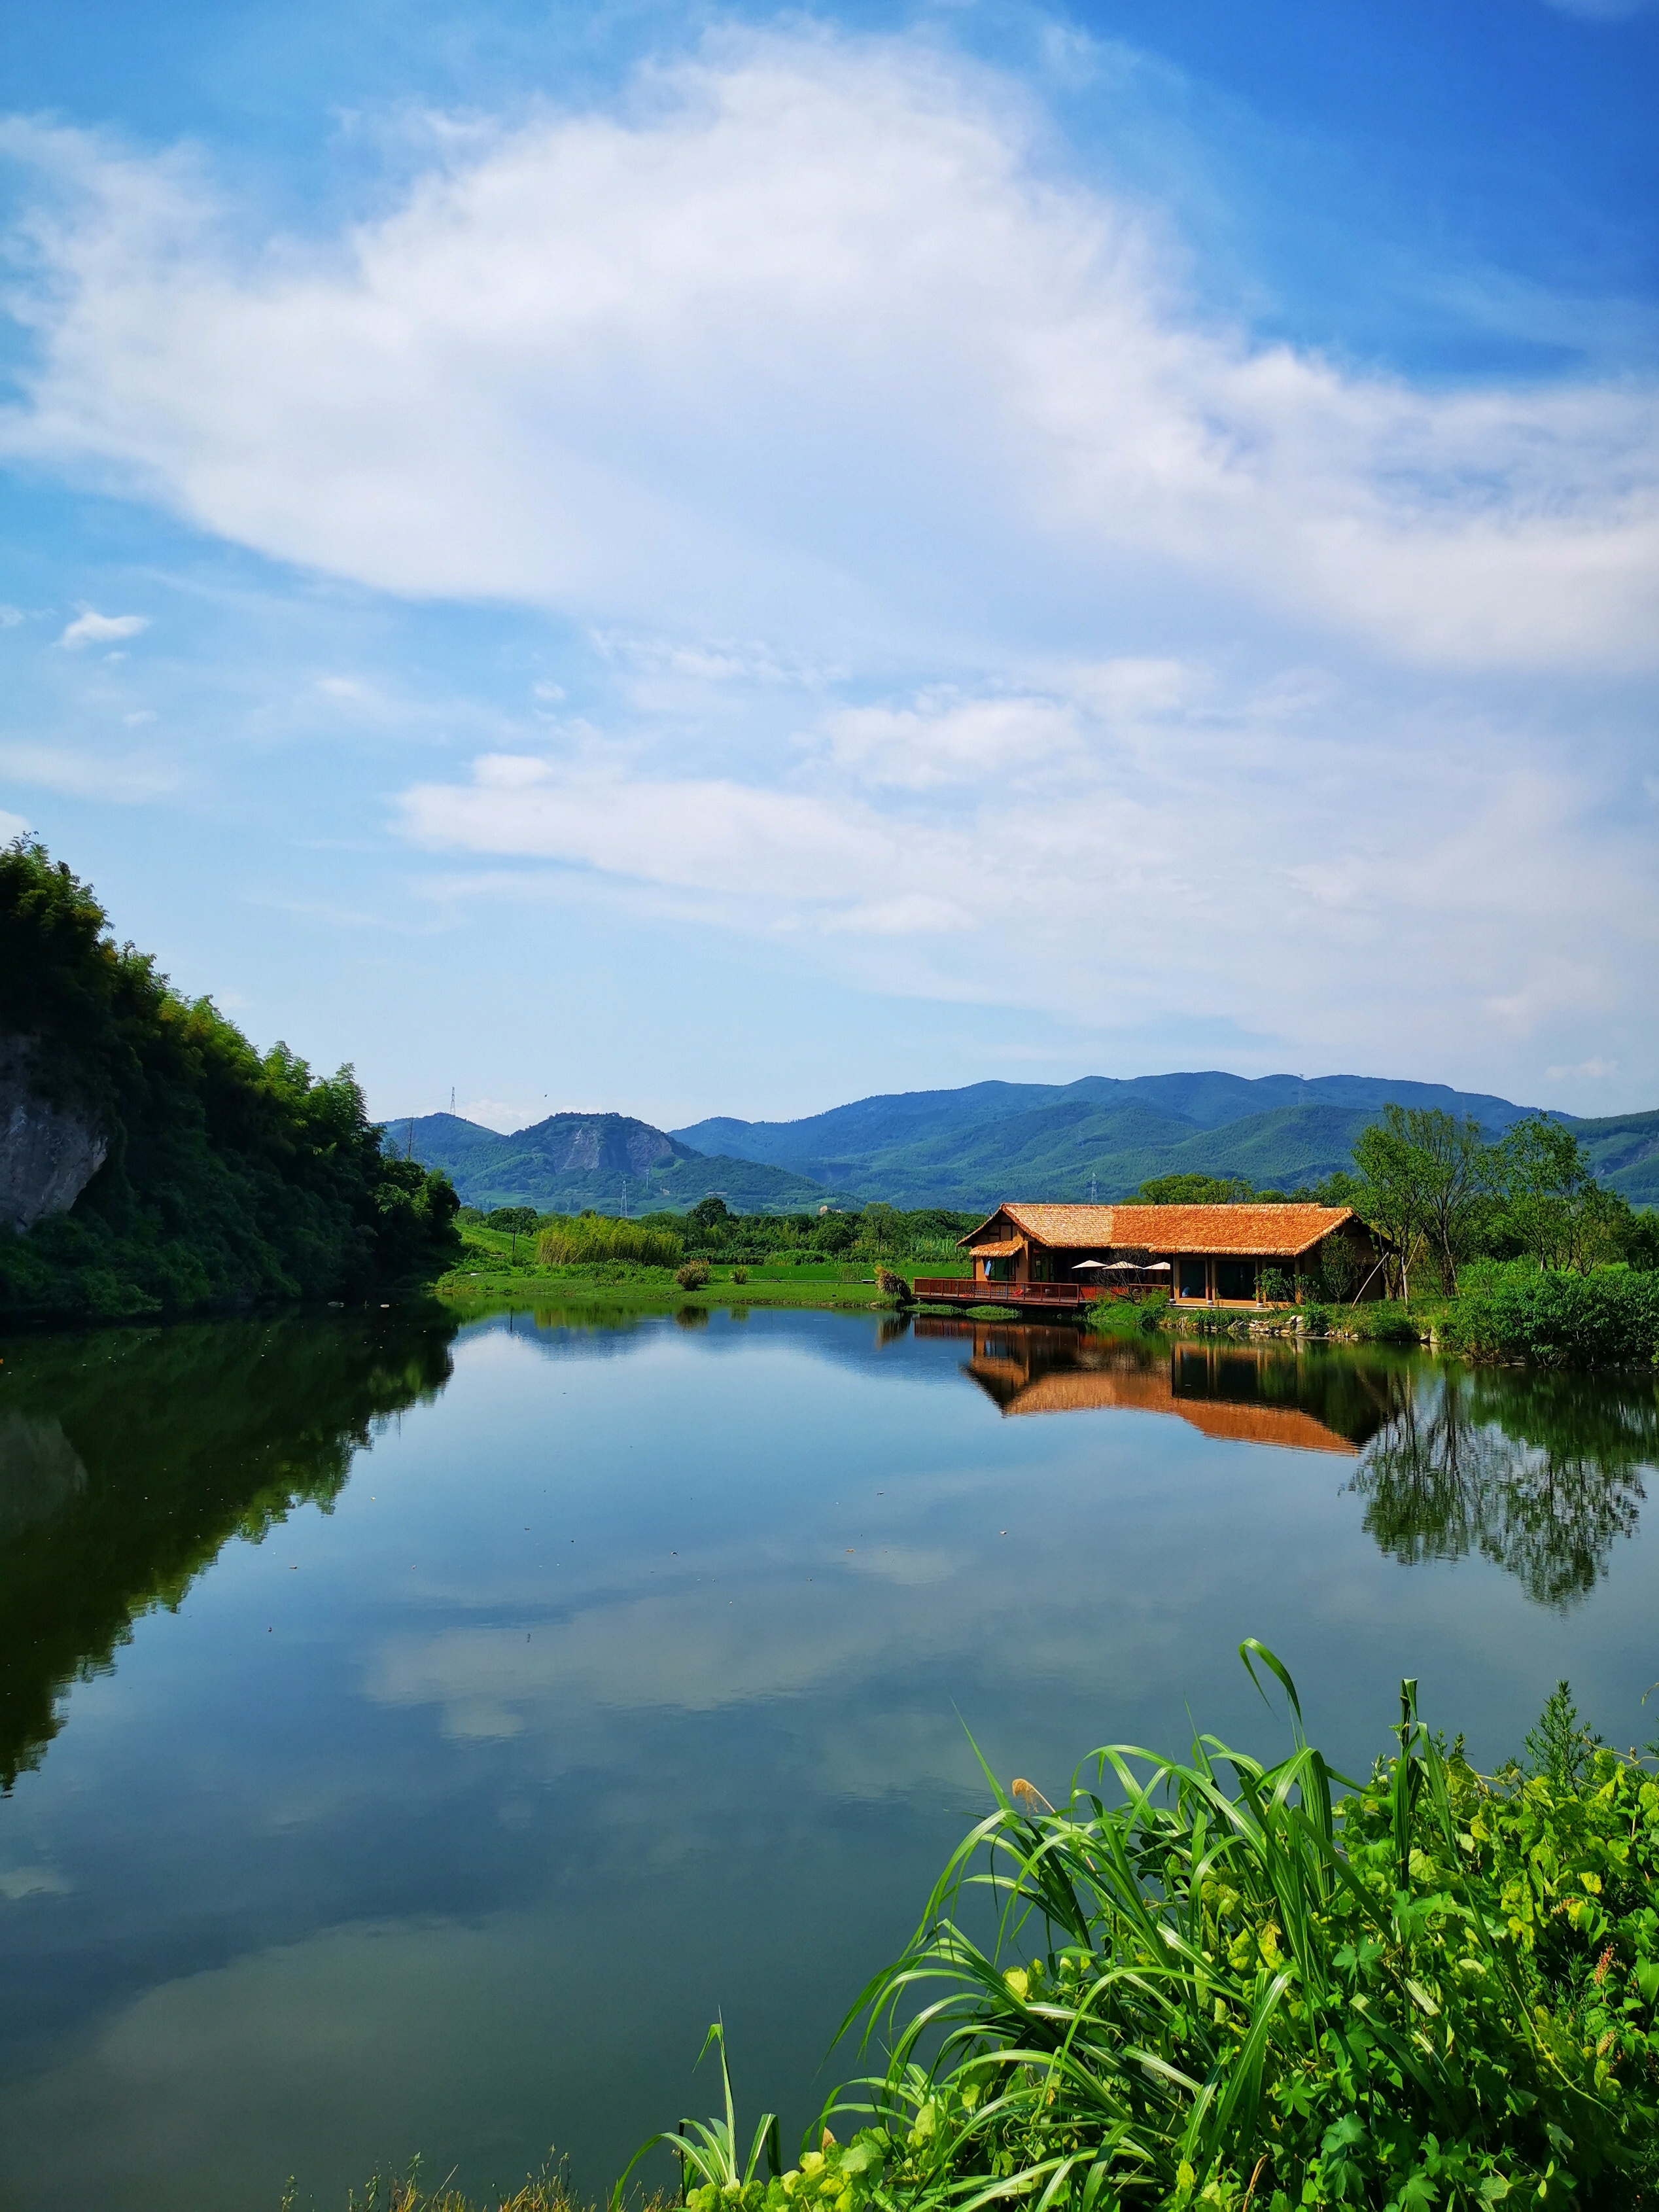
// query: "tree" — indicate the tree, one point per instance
point(711, 1215)
point(1557, 1211)
point(1427, 1178)
point(878, 1227)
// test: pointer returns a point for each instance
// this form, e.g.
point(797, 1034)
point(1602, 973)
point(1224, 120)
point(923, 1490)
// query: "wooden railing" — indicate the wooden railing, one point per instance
point(966, 1291)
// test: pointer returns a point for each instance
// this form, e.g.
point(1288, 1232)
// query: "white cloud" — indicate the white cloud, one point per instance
point(701, 835)
point(17, 1883)
point(962, 600)
point(1587, 1070)
point(12, 825)
point(1210, 849)
point(811, 329)
point(948, 740)
point(11, 617)
point(90, 628)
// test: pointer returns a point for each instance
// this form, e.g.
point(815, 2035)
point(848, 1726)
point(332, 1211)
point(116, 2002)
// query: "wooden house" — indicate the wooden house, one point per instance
point(1050, 1257)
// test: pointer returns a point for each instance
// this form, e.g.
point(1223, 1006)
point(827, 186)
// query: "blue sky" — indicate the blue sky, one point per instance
point(692, 562)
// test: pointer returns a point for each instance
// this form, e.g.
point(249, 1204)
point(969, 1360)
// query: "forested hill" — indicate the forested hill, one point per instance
point(970, 1146)
point(605, 1160)
point(152, 1162)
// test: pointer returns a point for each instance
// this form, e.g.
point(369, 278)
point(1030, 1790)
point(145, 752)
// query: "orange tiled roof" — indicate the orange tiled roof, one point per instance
point(1008, 1245)
point(1287, 1426)
point(1084, 1390)
point(1240, 1231)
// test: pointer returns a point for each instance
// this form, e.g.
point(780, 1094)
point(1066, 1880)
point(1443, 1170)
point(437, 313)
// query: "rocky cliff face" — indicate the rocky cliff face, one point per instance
point(48, 1153)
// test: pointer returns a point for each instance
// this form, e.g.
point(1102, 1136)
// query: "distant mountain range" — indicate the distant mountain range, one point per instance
point(605, 1160)
point(969, 1147)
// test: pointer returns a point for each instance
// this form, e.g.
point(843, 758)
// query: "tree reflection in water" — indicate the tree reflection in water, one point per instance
point(128, 1459)
point(1540, 1472)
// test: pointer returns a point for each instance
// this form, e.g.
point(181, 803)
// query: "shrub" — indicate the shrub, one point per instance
point(1226, 1986)
point(1607, 1319)
point(892, 1285)
point(741, 1274)
point(693, 1275)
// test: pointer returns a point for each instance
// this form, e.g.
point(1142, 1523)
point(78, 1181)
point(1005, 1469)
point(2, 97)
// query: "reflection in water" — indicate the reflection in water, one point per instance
point(128, 1458)
point(40, 1470)
point(1303, 1400)
point(282, 1902)
point(1538, 1473)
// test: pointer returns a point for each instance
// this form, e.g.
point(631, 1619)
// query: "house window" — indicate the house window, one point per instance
point(1191, 1282)
point(1235, 1279)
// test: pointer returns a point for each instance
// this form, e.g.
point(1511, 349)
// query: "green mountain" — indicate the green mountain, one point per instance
point(971, 1146)
point(605, 1160)
point(1624, 1148)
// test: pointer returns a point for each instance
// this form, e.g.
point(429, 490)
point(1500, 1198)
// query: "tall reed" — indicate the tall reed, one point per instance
point(1264, 1993)
point(591, 1237)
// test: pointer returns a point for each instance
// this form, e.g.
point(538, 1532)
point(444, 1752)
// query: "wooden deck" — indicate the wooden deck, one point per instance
point(964, 1291)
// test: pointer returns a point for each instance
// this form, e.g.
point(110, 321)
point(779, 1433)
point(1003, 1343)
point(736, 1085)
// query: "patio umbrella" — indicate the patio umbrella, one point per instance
point(1077, 1266)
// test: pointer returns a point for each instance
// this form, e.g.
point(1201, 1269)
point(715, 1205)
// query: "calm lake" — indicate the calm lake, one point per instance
point(417, 1734)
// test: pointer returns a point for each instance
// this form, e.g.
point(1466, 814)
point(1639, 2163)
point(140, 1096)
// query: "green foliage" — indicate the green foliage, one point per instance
point(693, 1275)
point(709, 2149)
point(230, 1177)
point(513, 1220)
point(1607, 1319)
point(1194, 1190)
point(1216, 1984)
point(593, 1238)
point(1553, 1205)
point(1426, 1178)
point(1561, 1747)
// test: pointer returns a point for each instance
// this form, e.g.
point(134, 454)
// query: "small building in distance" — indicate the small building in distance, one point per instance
point(1213, 1255)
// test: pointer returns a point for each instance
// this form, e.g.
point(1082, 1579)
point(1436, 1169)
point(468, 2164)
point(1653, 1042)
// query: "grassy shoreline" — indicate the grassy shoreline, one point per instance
point(1205, 1984)
point(1503, 1313)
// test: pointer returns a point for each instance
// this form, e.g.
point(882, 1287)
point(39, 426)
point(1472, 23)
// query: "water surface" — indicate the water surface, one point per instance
point(417, 1734)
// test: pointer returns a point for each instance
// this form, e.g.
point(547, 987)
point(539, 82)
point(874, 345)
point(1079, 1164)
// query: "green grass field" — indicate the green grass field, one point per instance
point(491, 1269)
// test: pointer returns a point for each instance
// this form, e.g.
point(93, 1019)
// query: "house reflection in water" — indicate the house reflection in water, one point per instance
point(1248, 1393)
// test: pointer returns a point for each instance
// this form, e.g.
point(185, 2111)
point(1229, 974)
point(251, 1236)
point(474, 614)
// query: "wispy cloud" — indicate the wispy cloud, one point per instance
point(75, 773)
point(90, 628)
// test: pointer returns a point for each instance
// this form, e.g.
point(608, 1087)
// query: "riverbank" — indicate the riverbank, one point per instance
point(1609, 1318)
point(1239, 1985)
point(1511, 1312)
